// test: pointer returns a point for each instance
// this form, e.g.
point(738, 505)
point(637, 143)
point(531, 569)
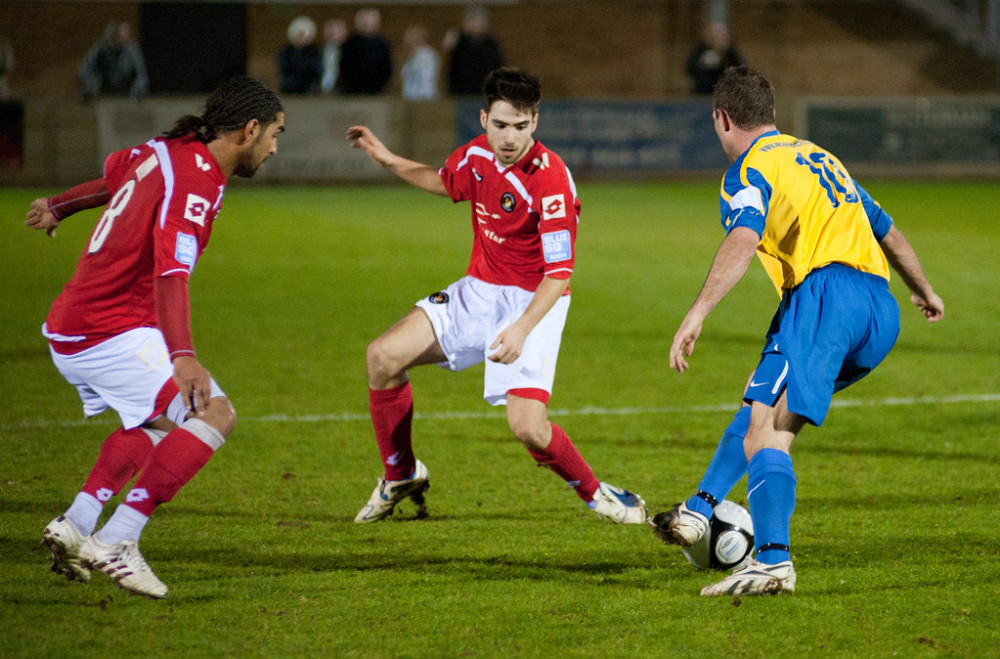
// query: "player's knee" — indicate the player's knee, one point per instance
point(221, 415)
point(535, 436)
point(379, 361)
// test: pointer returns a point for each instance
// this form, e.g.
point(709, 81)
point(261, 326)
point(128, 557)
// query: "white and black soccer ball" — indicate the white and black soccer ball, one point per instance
point(729, 541)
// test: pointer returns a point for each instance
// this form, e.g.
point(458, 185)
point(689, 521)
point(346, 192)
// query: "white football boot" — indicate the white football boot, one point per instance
point(388, 493)
point(618, 505)
point(680, 525)
point(64, 540)
point(755, 579)
point(123, 563)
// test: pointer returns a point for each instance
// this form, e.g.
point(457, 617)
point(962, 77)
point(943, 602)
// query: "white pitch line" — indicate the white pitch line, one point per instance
point(582, 411)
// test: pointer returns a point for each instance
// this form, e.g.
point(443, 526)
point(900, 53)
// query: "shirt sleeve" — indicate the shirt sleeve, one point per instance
point(748, 203)
point(183, 224)
point(456, 175)
point(880, 221)
point(80, 197)
point(559, 214)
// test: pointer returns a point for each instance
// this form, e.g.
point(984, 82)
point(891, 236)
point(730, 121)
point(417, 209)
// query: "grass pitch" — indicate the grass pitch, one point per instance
point(894, 536)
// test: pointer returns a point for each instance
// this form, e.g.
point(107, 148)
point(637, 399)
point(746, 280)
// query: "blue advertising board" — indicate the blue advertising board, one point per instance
point(620, 137)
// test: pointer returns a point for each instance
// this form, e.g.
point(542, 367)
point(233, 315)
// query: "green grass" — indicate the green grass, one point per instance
point(894, 535)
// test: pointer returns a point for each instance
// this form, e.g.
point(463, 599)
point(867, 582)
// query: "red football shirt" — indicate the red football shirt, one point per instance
point(524, 216)
point(165, 196)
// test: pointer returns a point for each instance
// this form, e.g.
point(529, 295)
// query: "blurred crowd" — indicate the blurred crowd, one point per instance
point(361, 60)
point(335, 58)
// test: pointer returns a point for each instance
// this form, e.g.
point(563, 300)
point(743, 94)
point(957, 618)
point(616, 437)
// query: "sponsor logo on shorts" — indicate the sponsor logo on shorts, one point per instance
point(438, 298)
point(186, 249)
point(556, 246)
point(507, 202)
point(553, 207)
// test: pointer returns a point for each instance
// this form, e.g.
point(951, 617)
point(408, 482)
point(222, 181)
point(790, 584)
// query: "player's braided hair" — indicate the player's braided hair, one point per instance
point(746, 96)
point(516, 86)
point(230, 107)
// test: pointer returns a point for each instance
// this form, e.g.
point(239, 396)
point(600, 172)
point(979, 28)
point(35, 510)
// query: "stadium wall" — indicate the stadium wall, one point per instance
point(580, 48)
point(65, 143)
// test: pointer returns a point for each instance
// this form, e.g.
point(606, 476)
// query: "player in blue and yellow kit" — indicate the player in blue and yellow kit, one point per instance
point(827, 247)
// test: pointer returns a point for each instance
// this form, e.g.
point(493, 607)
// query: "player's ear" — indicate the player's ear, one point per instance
point(482, 117)
point(251, 130)
point(723, 118)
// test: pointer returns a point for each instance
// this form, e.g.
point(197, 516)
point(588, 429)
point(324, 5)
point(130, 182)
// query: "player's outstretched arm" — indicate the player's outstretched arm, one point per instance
point(48, 213)
point(904, 261)
point(730, 263)
point(415, 173)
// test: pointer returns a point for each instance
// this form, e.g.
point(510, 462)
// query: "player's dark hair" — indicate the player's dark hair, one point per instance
point(230, 107)
point(746, 96)
point(516, 86)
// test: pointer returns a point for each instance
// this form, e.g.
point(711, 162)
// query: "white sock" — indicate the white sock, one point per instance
point(84, 512)
point(125, 524)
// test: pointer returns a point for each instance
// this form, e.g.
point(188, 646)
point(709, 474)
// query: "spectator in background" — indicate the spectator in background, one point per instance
point(420, 71)
point(713, 55)
point(334, 34)
point(300, 63)
point(474, 53)
point(365, 58)
point(114, 65)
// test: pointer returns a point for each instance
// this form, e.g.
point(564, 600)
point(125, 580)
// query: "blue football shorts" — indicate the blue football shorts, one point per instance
point(828, 333)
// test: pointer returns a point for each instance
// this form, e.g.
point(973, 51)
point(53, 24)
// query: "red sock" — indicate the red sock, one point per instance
point(122, 455)
point(562, 457)
point(392, 416)
point(173, 462)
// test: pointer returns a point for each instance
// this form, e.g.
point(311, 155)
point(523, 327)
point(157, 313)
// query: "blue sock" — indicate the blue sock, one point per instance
point(771, 495)
point(727, 466)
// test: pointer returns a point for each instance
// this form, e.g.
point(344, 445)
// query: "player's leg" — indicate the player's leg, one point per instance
point(172, 463)
point(548, 443)
point(110, 375)
point(122, 455)
point(686, 522)
point(551, 447)
point(771, 497)
point(408, 343)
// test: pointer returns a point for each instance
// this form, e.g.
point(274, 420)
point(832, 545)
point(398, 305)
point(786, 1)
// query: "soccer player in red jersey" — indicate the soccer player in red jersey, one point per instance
point(508, 311)
point(120, 330)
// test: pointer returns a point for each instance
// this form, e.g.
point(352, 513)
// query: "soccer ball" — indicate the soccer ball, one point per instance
point(728, 542)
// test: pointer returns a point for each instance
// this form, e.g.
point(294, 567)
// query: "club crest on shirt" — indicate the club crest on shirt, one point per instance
point(438, 298)
point(507, 202)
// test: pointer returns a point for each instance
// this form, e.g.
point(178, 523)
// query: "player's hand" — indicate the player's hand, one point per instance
point(365, 140)
point(683, 344)
point(931, 306)
point(40, 217)
point(508, 345)
point(194, 383)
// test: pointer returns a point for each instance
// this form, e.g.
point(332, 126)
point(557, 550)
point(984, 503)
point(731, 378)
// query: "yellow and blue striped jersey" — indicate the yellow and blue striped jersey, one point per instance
point(807, 210)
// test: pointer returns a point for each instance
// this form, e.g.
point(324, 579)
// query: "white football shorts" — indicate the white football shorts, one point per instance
point(470, 314)
point(124, 373)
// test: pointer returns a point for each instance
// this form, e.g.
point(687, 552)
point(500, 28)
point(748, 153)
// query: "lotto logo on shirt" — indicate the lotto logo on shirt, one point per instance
point(556, 246)
point(553, 207)
point(196, 209)
point(186, 249)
